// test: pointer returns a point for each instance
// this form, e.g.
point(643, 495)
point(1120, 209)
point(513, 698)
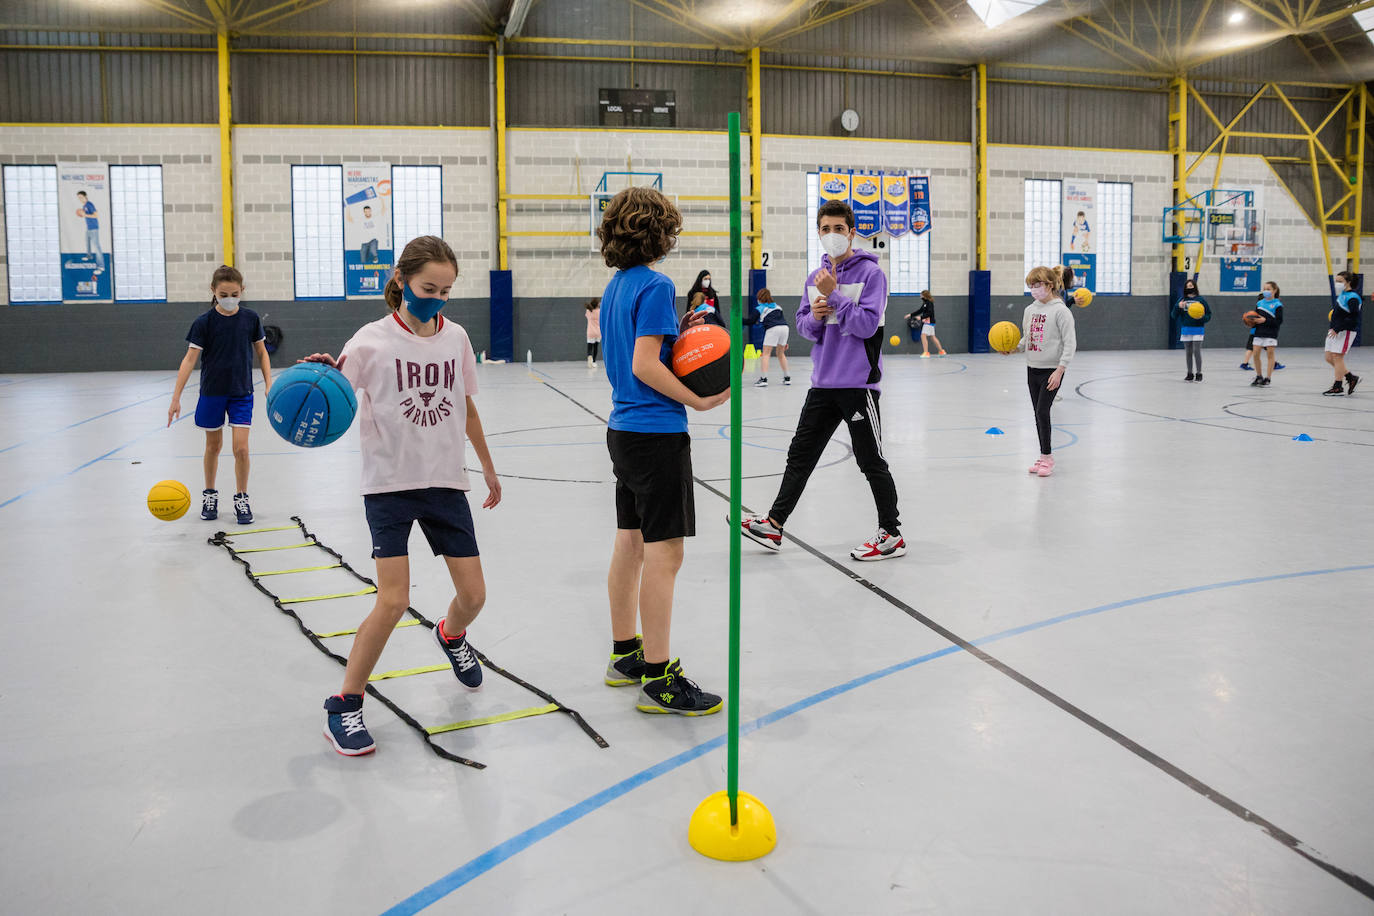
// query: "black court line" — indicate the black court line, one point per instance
point(1245, 416)
point(1225, 802)
point(1238, 429)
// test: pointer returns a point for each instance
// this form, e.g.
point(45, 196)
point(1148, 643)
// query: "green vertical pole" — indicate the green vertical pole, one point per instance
point(736, 422)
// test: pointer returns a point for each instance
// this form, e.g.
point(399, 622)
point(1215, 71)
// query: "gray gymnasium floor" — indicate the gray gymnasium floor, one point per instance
point(1171, 715)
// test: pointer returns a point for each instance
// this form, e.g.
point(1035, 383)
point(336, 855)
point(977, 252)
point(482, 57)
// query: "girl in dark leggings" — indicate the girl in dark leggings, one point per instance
point(1048, 339)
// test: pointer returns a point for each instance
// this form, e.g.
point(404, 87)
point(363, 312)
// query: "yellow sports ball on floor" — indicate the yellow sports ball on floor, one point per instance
point(1082, 297)
point(169, 500)
point(894, 340)
point(1195, 310)
point(1004, 336)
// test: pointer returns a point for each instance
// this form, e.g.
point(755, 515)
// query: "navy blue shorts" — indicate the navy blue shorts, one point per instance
point(443, 515)
point(212, 409)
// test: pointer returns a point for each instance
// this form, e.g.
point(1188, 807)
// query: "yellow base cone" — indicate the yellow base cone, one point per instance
point(711, 833)
point(750, 352)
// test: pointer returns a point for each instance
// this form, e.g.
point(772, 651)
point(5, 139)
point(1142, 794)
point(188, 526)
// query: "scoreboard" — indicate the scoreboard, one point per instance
point(638, 108)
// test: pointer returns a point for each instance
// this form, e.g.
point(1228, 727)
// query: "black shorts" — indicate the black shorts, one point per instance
point(653, 484)
point(443, 515)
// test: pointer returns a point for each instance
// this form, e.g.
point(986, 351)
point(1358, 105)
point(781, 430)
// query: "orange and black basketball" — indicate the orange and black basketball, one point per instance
point(701, 358)
point(1252, 318)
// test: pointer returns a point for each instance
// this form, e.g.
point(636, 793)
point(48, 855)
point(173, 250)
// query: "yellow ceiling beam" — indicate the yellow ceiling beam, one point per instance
point(279, 11)
point(172, 9)
point(825, 20)
point(681, 16)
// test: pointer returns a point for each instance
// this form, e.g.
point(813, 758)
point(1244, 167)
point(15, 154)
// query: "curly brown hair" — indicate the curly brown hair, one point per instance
point(640, 226)
point(418, 252)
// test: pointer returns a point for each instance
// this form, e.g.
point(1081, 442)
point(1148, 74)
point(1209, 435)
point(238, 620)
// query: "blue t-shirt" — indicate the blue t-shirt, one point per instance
point(91, 222)
point(226, 344)
point(639, 303)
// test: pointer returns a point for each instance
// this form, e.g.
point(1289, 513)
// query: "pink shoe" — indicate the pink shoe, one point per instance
point(1046, 467)
point(1035, 468)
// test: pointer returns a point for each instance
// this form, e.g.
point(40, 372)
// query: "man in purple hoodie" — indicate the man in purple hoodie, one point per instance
point(842, 311)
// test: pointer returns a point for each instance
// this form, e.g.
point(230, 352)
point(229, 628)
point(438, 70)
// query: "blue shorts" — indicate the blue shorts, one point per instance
point(443, 515)
point(212, 409)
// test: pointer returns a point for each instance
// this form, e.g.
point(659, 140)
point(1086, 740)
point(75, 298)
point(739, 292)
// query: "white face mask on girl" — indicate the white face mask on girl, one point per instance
point(228, 304)
point(706, 283)
point(1041, 292)
point(835, 244)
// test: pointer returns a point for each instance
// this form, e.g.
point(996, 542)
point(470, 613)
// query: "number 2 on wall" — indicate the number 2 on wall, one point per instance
point(766, 259)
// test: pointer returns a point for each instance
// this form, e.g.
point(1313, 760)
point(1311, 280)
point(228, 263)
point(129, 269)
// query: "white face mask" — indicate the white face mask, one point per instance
point(835, 244)
point(229, 304)
point(706, 283)
point(1041, 293)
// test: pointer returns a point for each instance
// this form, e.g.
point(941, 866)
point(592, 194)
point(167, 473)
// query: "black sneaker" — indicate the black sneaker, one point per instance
point(624, 670)
point(1265, 382)
point(674, 693)
point(1257, 381)
point(1351, 380)
point(1335, 391)
point(460, 655)
point(209, 505)
point(344, 726)
point(1189, 377)
point(1198, 377)
point(787, 379)
point(241, 509)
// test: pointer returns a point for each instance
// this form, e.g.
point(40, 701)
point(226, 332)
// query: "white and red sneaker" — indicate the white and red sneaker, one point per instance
point(761, 531)
point(882, 546)
point(1046, 466)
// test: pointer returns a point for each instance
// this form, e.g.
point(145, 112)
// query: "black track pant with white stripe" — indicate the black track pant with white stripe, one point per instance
point(821, 415)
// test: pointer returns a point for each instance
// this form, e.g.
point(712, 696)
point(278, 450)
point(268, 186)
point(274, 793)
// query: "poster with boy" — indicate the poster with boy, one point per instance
point(367, 227)
point(83, 195)
point(1080, 221)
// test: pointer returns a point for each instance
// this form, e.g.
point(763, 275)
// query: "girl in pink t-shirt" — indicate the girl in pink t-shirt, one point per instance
point(414, 374)
point(593, 330)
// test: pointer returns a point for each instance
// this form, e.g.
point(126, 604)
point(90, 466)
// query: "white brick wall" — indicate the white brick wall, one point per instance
point(190, 185)
point(263, 157)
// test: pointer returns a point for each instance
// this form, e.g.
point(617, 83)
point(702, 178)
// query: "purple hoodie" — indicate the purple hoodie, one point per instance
point(847, 354)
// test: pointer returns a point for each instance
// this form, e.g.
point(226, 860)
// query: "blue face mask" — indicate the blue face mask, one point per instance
point(423, 308)
point(1269, 294)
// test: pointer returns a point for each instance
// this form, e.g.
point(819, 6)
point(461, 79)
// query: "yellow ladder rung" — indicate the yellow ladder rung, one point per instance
point(261, 530)
point(488, 720)
point(282, 572)
point(407, 672)
point(362, 591)
point(403, 623)
point(282, 547)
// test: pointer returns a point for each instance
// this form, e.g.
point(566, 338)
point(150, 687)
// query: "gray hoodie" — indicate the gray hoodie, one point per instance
point(1047, 334)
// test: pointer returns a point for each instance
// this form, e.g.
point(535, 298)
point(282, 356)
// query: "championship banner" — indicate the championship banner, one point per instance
point(1240, 275)
point(83, 231)
point(1080, 217)
point(834, 185)
point(896, 204)
point(920, 204)
point(866, 198)
point(367, 227)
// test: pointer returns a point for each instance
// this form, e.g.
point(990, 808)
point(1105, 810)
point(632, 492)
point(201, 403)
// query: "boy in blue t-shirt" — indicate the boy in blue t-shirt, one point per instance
point(87, 211)
point(651, 452)
point(229, 337)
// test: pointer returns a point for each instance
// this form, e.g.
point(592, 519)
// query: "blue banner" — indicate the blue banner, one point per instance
point(1084, 270)
point(1240, 275)
point(896, 204)
point(866, 199)
point(920, 204)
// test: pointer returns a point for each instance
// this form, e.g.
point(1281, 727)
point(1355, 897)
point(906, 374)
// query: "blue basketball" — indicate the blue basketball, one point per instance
point(311, 404)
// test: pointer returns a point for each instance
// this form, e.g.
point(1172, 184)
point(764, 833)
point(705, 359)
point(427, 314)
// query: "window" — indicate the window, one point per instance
point(1043, 244)
point(908, 262)
point(136, 223)
point(35, 260)
point(317, 230)
point(1114, 240)
point(417, 200)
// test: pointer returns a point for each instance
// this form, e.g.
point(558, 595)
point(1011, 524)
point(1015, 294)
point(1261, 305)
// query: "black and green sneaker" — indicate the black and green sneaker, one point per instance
point(626, 668)
point(674, 693)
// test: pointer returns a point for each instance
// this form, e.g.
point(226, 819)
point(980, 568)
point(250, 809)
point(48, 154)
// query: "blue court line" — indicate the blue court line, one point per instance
point(83, 422)
point(499, 853)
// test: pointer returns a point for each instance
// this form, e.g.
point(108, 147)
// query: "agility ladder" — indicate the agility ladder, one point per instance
point(223, 539)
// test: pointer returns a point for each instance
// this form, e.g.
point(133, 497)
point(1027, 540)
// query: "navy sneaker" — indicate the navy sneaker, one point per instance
point(209, 505)
point(344, 727)
point(461, 656)
point(241, 510)
point(624, 670)
point(1278, 366)
point(674, 693)
point(1245, 366)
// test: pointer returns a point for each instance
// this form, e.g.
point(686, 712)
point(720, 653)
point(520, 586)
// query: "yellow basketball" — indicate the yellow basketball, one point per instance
point(1082, 297)
point(1004, 336)
point(1329, 314)
point(169, 500)
point(1195, 310)
point(894, 340)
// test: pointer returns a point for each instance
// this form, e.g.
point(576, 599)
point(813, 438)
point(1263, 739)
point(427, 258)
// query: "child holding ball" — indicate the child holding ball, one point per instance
point(415, 375)
point(229, 337)
point(651, 452)
point(1190, 328)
